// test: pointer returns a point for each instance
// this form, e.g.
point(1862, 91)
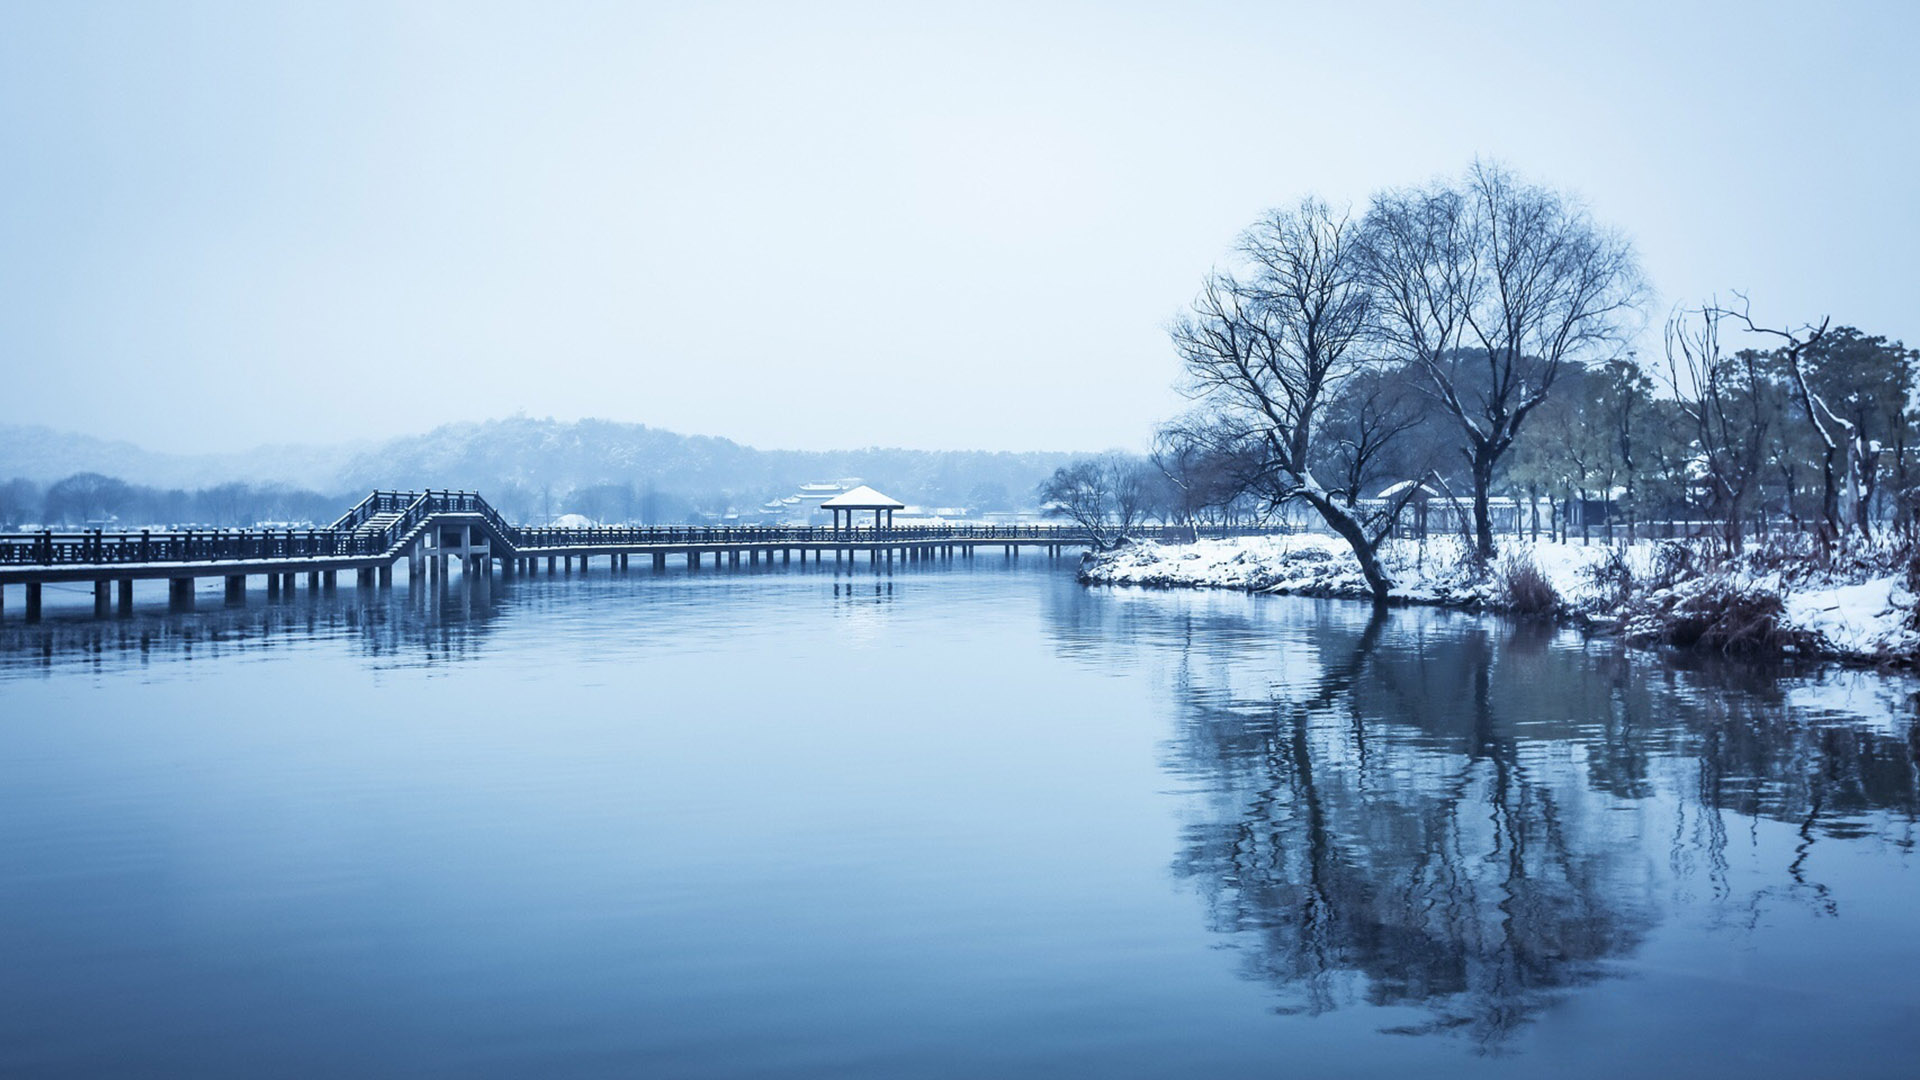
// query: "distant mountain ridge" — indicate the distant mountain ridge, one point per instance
point(520, 453)
point(43, 455)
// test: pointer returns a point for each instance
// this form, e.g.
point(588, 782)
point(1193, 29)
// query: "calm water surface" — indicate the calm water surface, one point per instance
point(951, 822)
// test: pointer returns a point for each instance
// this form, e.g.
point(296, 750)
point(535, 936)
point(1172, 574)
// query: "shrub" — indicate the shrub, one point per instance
point(1611, 578)
point(1733, 620)
point(1673, 562)
point(1527, 590)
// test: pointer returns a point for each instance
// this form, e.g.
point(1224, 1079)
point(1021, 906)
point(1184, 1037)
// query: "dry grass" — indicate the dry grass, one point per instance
point(1731, 620)
point(1527, 590)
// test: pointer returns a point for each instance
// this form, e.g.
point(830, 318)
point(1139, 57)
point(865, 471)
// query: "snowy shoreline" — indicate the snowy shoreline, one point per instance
point(1859, 614)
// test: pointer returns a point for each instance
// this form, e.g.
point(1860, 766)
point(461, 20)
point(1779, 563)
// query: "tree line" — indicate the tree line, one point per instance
point(1469, 339)
point(93, 499)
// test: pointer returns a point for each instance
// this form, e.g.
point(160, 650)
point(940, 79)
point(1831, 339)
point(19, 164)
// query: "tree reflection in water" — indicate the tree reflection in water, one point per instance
point(1469, 816)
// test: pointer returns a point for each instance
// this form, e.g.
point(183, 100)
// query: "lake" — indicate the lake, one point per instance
point(954, 821)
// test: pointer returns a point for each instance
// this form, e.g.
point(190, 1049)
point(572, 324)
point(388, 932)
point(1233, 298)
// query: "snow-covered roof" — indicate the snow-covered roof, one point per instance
point(1394, 490)
point(863, 498)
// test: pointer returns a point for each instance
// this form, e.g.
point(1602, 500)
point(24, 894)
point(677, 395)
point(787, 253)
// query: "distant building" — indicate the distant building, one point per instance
point(803, 506)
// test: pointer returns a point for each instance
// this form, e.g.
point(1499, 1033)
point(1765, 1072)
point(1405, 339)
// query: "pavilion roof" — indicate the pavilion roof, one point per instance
point(863, 498)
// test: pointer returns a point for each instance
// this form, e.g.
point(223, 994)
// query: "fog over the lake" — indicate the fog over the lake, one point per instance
point(815, 226)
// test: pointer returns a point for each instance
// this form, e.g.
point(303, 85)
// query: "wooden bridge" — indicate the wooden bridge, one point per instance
point(435, 532)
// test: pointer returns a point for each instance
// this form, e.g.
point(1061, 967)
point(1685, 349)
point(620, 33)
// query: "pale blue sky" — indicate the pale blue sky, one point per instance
point(813, 225)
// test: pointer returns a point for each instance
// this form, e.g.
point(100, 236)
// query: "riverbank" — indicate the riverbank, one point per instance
point(1770, 602)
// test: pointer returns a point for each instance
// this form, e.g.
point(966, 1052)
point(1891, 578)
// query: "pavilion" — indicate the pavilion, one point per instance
point(863, 498)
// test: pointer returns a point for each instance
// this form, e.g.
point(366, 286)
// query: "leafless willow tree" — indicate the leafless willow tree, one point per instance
point(1264, 351)
point(1107, 496)
point(1489, 287)
point(1206, 483)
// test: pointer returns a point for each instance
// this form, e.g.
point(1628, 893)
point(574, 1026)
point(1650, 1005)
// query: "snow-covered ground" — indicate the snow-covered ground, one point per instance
point(1860, 615)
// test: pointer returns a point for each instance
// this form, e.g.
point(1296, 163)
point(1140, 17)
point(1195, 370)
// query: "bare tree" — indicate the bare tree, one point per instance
point(1489, 287)
point(1266, 352)
point(1138, 492)
point(1107, 496)
point(1209, 474)
point(1840, 438)
point(1364, 439)
point(19, 497)
point(1724, 400)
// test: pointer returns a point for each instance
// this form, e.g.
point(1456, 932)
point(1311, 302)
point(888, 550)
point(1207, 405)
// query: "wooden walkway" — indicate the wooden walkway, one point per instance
point(435, 532)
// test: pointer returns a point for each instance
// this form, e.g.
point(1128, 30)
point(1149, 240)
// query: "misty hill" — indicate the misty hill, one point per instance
point(530, 456)
point(43, 455)
point(527, 454)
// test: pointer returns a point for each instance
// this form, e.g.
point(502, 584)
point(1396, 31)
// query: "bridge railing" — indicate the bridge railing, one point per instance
point(186, 545)
point(673, 535)
point(415, 509)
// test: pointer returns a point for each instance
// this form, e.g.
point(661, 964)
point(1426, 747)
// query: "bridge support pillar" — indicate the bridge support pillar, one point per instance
point(753, 557)
point(126, 596)
point(363, 579)
point(102, 598)
point(313, 582)
point(386, 576)
point(273, 586)
point(329, 581)
point(236, 589)
point(180, 593)
point(287, 585)
point(659, 561)
point(33, 601)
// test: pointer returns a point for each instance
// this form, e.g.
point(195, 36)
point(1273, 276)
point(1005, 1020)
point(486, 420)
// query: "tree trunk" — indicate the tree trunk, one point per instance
point(1482, 516)
point(1347, 527)
point(1867, 469)
point(1732, 526)
point(1830, 496)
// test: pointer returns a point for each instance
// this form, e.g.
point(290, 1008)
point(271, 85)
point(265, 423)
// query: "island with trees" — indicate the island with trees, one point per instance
point(1442, 397)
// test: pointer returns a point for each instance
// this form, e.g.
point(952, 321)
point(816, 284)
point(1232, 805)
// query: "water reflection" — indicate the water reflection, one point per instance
point(624, 823)
point(1467, 816)
point(428, 625)
point(438, 622)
